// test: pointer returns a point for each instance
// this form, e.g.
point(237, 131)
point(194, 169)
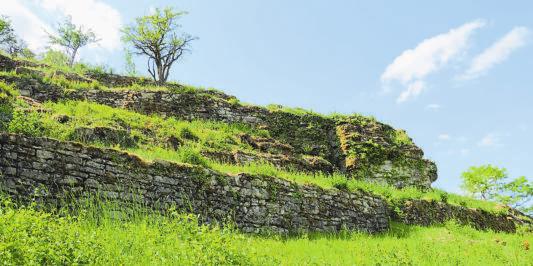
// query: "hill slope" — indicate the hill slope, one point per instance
point(353, 145)
point(82, 134)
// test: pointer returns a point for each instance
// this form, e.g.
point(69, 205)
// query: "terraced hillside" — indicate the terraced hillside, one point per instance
point(202, 151)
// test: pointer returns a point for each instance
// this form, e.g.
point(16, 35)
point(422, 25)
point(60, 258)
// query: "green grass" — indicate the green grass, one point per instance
point(292, 110)
point(340, 181)
point(327, 181)
point(151, 133)
point(106, 233)
point(448, 244)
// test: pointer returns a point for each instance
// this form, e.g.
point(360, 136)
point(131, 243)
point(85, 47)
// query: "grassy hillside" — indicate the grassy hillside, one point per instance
point(105, 234)
point(148, 137)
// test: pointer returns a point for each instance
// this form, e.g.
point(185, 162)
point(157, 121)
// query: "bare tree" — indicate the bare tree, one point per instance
point(156, 36)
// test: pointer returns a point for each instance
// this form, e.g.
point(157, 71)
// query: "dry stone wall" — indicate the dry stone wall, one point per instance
point(425, 213)
point(309, 134)
point(45, 169)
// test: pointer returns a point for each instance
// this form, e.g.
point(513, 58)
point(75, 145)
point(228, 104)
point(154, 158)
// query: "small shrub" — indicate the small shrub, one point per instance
point(6, 114)
point(187, 134)
point(26, 122)
point(191, 156)
point(55, 58)
point(7, 96)
point(7, 92)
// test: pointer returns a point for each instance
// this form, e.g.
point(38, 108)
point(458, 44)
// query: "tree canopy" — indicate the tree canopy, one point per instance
point(9, 42)
point(489, 182)
point(72, 37)
point(157, 36)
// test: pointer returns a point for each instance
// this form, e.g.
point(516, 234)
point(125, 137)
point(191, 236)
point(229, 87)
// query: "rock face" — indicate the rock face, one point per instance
point(45, 169)
point(354, 145)
point(387, 155)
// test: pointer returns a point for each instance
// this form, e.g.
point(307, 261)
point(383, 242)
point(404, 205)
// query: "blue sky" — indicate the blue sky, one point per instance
point(456, 74)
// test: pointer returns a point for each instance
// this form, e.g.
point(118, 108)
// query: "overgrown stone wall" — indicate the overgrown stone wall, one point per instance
point(46, 169)
point(309, 134)
point(353, 145)
point(425, 213)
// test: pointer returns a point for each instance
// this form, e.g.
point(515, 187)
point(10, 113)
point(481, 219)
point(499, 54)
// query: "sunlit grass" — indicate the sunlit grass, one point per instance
point(107, 234)
point(448, 244)
point(97, 232)
point(152, 132)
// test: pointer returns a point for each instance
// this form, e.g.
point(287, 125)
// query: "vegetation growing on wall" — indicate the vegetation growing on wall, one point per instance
point(104, 233)
point(153, 137)
point(324, 156)
point(7, 98)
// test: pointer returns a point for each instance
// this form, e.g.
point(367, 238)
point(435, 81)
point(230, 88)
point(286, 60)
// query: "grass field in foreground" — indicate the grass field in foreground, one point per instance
point(104, 234)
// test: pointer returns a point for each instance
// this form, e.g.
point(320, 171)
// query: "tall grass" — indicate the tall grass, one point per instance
point(107, 234)
point(97, 232)
point(448, 244)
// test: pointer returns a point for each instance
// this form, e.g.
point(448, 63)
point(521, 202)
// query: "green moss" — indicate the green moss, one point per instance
point(401, 138)
point(308, 134)
point(368, 144)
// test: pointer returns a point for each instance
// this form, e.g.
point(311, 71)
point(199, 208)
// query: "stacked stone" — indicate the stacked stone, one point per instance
point(47, 170)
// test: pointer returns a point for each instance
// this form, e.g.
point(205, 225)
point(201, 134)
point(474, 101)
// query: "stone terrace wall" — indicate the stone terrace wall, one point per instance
point(308, 134)
point(255, 203)
point(425, 213)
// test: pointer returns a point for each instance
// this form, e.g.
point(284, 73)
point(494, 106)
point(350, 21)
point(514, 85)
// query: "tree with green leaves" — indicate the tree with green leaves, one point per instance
point(55, 58)
point(483, 181)
point(489, 182)
point(9, 42)
point(518, 194)
point(72, 37)
point(6, 31)
point(130, 64)
point(157, 36)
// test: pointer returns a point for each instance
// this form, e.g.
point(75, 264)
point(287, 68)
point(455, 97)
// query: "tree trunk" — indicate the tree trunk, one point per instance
point(161, 73)
point(72, 57)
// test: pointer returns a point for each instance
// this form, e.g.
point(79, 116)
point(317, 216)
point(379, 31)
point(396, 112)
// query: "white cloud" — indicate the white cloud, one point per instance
point(27, 25)
point(414, 89)
point(444, 137)
point(490, 140)
point(433, 106)
point(497, 52)
point(103, 19)
point(429, 56)
point(464, 152)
